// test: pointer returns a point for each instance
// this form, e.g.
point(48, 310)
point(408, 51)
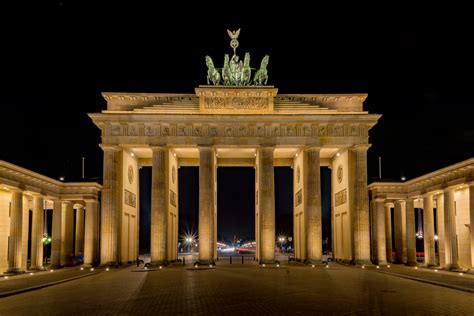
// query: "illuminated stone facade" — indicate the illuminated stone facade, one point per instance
point(446, 197)
point(235, 126)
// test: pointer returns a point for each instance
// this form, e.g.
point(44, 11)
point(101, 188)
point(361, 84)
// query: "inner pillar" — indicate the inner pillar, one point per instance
point(267, 205)
point(313, 206)
point(79, 245)
point(37, 233)
point(400, 231)
point(206, 205)
point(159, 206)
point(380, 231)
point(451, 247)
point(410, 232)
point(428, 230)
point(16, 236)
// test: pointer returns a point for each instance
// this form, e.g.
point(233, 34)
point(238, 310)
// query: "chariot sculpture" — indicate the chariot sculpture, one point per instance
point(234, 71)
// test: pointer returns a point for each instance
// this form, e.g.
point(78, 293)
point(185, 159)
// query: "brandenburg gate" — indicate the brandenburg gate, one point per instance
point(235, 123)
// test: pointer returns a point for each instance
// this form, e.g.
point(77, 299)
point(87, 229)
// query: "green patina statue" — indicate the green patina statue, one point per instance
point(212, 73)
point(261, 76)
point(235, 72)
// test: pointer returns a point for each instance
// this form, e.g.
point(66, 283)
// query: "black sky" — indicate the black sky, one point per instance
point(56, 59)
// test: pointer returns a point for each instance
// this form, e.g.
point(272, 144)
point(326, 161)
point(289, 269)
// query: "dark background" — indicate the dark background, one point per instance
point(57, 57)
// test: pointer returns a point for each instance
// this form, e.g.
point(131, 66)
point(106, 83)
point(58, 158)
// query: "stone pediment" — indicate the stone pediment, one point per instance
point(236, 100)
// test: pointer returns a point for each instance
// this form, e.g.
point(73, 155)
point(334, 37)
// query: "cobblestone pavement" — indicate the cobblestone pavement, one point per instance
point(27, 280)
point(454, 279)
point(242, 289)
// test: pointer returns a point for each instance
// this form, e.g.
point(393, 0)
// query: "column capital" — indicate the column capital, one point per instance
point(109, 147)
point(313, 148)
point(158, 147)
point(360, 147)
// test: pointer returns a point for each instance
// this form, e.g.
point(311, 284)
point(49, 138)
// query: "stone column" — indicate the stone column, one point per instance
point(110, 206)
point(56, 235)
point(410, 232)
point(379, 231)
point(206, 205)
point(15, 239)
point(450, 245)
point(37, 224)
point(388, 231)
point(440, 229)
point(428, 230)
point(90, 234)
point(67, 250)
point(159, 205)
point(400, 231)
point(359, 205)
point(471, 215)
point(79, 246)
point(314, 241)
point(267, 205)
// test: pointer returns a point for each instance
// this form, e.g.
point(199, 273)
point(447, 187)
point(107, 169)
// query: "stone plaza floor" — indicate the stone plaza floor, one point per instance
point(242, 289)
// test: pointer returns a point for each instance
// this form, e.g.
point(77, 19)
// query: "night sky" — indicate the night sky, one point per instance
point(57, 58)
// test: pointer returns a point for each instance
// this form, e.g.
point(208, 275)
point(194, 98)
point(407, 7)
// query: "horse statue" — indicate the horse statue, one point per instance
point(261, 76)
point(226, 75)
point(212, 73)
point(246, 71)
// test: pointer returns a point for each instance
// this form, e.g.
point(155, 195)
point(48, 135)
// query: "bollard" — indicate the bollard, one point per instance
point(242, 259)
point(230, 259)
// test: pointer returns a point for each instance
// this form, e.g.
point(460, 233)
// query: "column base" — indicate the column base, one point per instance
point(159, 263)
point(202, 262)
point(12, 271)
point(37, 268)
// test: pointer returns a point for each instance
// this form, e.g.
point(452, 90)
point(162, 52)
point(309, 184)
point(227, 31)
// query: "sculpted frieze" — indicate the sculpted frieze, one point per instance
point(235, 130)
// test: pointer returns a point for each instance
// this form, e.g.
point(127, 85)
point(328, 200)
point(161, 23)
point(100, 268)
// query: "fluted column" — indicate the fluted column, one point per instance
point(380, 234)
point(56, 234)
point(37, 224)
point(16, 236)
point(159, 205)
point(267, 205)
point(314, 242)
point(206, 205)
point(450, 245)
point(410, 232)
point(428, 230)
point(68, 222)
point(441, 229)
point(79, 242)
point(471, 215)
point(359, 205)
point(90, 233)
point(110, 206)
point(400, 231)
point(388, 231)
